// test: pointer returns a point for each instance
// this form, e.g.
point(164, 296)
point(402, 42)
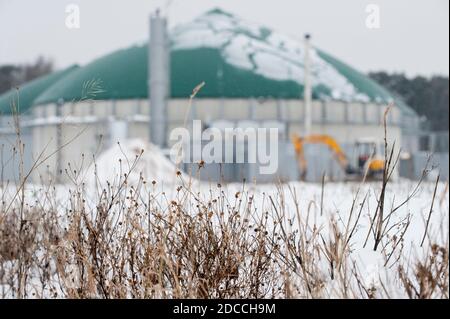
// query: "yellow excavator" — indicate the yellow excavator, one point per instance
point(369, 164)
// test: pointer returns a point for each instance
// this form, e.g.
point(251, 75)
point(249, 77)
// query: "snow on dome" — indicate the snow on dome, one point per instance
point(255, 48)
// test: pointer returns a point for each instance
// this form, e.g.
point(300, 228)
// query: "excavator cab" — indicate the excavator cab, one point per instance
point(365, 149)
point(368, 157)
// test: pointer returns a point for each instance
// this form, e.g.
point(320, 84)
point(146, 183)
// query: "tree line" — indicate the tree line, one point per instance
point(13, 75)
point(427, 96)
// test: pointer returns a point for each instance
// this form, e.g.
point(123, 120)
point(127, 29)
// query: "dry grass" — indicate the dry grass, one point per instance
point(134, 241)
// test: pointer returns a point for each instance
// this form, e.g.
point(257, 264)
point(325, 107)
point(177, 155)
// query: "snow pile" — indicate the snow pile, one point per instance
point(136, 158)
point(268, 53)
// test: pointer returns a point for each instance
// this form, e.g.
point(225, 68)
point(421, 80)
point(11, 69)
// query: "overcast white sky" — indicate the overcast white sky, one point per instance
point(412, 38)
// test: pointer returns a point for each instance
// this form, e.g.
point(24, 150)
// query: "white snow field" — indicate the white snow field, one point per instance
point(305, 207)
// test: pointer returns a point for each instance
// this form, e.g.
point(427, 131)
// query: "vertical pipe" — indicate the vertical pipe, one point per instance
point(59, 155)
point(307, 92)
point(158, 68)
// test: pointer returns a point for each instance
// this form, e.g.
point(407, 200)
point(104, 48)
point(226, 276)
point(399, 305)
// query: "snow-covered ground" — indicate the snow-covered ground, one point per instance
point(159, 179)
point(142, 162)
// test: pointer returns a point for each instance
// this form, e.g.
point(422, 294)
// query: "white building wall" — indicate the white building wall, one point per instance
point(44, 147)
point(88, 122)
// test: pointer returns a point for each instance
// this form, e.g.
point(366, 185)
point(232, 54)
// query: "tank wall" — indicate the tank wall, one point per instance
point(11, 159)
point(87, 127)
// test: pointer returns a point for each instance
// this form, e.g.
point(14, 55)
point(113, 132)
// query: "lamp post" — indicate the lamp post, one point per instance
point(307, 91)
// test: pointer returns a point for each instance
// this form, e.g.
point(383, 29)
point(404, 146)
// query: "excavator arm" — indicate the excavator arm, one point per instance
point(327, 140)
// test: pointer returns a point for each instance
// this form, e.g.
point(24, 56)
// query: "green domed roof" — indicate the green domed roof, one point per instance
point(119, 75)
point(236, 59)
point(24, 96)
